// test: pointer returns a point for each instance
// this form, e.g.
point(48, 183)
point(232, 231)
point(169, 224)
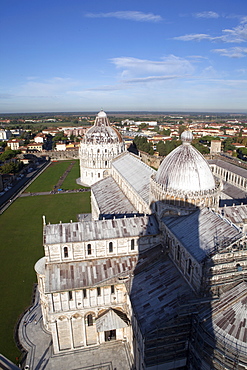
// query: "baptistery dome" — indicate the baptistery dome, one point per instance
point(101, 131)
point(99, 146)
point(185, 169)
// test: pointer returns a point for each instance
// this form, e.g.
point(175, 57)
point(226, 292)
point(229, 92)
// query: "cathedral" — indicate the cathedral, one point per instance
point(158, 265)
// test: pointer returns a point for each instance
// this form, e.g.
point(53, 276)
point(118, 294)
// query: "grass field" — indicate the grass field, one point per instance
point(49, 178)
point(21, 247)
point(69, 182)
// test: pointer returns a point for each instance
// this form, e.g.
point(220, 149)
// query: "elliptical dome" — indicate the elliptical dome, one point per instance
point(185, 170)
point(101, 131)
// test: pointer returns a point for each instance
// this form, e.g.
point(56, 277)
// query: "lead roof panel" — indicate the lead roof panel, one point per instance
point(100, 229)
point(110, 198)
point(136, 173)
point(202, 232)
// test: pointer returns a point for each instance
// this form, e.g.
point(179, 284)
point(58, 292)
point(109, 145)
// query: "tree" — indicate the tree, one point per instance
point(8, 154)
point(10, 167)
point(227, 144)
point(166, 132)
point(160, 147)
point(181, 128)
point(201, 148)
point(142, 143)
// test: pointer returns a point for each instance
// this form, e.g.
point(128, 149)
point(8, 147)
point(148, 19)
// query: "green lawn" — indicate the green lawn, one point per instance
point(49, 178)
point(21, 247)
point(69, 182)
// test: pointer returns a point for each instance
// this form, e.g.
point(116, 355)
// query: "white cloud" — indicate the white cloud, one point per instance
point(128, 15)
point(235, 35)
point(235, 52)
point(208, 14)
point(168, 66)
point(150, 79)
point(193, 37)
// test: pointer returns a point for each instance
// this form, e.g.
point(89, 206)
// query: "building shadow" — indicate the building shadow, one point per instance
point(178, 291)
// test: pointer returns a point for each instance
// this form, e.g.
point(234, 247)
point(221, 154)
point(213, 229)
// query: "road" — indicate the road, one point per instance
point(20, 185)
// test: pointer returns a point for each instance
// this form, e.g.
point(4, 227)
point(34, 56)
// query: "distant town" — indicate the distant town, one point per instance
point(25, 137)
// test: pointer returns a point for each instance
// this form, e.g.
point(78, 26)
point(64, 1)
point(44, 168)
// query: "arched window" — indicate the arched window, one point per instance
point(105, 163)
point(239, 267)
point(89, 320)
point(110, 247)
point(98, 174)
point(132, 244)
point(65, 252)
point(89, 249)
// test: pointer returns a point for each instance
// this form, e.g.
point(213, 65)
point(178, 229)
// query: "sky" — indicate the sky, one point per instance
point(122, 55)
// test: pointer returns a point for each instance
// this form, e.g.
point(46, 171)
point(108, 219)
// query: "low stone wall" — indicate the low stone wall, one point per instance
point(59, 155)
point(151, 160)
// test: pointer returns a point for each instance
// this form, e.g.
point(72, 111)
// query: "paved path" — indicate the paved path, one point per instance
point(63, 177)
point(53, 192)
point(38, 343)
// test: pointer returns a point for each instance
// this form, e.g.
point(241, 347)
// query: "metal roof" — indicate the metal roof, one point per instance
point(83, 274)
point(110, 198)
point(236, 214)
point(100, 229)
point(135, 172)
point(156, 289)
point(202, 232)
point(228, 318)
point(229, 166)
point(110, 320)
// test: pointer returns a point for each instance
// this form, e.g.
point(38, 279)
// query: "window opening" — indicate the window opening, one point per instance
point(65, 252)
point(110, 247)
point(89, 320)
point(132, 247)
point(189, 266)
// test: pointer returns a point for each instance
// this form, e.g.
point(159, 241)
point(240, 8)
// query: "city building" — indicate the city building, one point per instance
point(14, 144)
point(158, 267)
point(4, 134)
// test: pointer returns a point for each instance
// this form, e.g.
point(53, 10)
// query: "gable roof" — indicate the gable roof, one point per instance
point(110, 198)
point(111, 319)
point(135, 172)
point(202, 232)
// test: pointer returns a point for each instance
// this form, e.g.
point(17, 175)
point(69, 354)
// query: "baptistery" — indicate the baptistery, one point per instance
point(99, 146)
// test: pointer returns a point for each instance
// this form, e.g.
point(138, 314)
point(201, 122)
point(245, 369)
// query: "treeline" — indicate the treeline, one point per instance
point(165, 147)
point(9, 164)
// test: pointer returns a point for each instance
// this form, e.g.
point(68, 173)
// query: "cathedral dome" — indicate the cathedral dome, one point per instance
point(185, 170)
point(101, 132)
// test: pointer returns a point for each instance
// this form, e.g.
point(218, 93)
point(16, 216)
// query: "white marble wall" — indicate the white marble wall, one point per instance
point(99, 248)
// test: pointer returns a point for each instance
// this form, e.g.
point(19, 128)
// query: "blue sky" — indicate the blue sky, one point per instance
point(84, 55)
